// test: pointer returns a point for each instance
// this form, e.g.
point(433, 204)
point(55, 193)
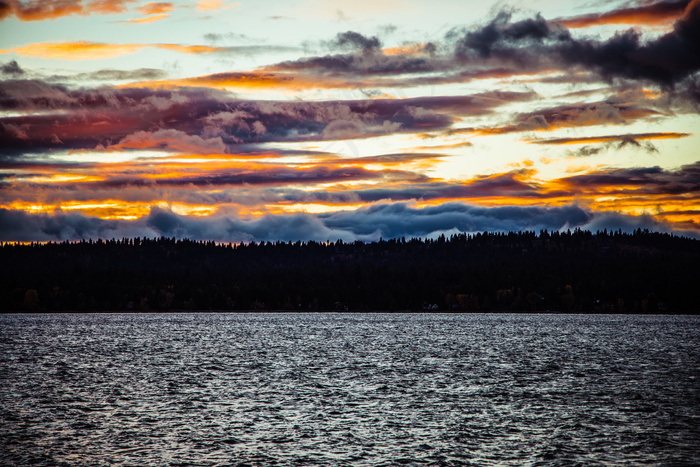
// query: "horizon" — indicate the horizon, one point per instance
point(468, 236)
point(224, 121)
point(640, 272)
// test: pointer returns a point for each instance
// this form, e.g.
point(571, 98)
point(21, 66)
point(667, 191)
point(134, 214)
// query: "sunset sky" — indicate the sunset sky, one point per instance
point(346, 119)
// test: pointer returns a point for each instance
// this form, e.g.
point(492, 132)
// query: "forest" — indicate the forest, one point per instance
point(573, 271)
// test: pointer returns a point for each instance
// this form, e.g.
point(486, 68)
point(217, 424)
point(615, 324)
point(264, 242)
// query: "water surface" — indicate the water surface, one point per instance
point(349, 389)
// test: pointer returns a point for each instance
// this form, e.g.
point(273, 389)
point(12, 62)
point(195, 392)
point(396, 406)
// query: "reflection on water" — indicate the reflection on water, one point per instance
point(353, 389)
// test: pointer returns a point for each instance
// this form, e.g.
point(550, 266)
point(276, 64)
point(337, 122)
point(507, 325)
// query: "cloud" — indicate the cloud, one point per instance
point(266, 175)
point(355, 40)
point(81, 50)
point(12, 68)
point(105, 75)
point(666, 60)
point(51, 9)
point(577, 115)
point(411, 49)
point(610, 112)
point(383, 220)
point(188, 49)
point(171, 140)
point(86, 50)
point(507, 187)
point(148, 19)
point(211, 5)
point(500, 36)
point(390, 159)
point(17, 225)
point(85, 118)
point(399, 219)
point(117, 75)
point(650, 14)
point(504, 48)
point(535, 42)
point(611, 141)
point(610, 138)
point(613, 221)
point(648, 181)
point(443, 147)
point(154, 8)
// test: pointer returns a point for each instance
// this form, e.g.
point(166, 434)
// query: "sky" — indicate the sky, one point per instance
point(278, 120)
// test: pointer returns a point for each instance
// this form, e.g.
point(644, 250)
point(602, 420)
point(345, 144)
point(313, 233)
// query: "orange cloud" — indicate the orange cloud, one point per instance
point(661, 13)
point(409, 49)
point(201, 185)
point(86, 50)
point(81, 50)
point(233, 79)
point(149, 19)
point(209, 5)
point(408, 161)
point(300, 80)
point(188, 49)
point(154, 8)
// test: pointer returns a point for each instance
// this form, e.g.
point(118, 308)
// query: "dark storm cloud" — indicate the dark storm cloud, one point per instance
point(666, 60)
point(470, 48)
point(501, 37)
point(523, 46)
point(385, 220)
point(363, 56)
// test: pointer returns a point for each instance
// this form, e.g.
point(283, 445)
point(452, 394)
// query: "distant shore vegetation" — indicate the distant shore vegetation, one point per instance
point(572, 271)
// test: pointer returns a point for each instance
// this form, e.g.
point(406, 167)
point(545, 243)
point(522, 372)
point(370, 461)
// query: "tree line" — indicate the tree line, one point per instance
point(572, 271)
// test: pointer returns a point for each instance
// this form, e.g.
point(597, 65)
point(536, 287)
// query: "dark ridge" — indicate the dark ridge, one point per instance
point(579, 271)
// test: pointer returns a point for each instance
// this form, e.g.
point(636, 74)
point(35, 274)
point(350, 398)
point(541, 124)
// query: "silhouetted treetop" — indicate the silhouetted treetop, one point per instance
point(607, 271)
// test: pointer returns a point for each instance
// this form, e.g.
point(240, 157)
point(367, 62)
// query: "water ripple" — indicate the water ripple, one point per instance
point(349, 389)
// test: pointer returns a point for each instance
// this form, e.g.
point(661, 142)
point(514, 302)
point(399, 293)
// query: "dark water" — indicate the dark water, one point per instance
point(346, 389)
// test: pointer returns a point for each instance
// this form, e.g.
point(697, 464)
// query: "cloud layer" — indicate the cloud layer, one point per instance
point(365, 224)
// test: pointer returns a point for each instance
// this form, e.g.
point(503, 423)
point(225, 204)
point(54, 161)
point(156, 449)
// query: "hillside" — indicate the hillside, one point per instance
point(579, 271)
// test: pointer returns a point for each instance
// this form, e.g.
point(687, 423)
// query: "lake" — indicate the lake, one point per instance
point(349, 389)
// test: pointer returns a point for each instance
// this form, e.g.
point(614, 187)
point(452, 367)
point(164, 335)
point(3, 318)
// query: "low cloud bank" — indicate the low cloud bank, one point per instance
point(365, 224)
